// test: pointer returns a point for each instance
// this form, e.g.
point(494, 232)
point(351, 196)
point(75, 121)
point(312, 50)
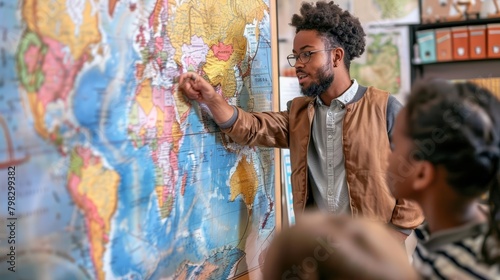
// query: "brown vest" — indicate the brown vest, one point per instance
point(366, 149)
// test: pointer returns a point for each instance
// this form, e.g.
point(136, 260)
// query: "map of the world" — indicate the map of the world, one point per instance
point(106, 170)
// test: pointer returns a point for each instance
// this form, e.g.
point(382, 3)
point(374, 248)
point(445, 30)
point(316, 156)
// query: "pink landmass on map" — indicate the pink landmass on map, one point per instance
point(59, 71)
point(222, 51)
point(195, 53)
point(31, 58)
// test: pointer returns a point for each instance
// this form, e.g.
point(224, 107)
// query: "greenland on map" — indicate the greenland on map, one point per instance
point(117, 176)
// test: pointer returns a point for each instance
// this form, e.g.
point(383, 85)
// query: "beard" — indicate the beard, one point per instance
point(324, 82)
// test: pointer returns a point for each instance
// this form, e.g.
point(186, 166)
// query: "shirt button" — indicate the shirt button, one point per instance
point(330, 192)
point(330, 136)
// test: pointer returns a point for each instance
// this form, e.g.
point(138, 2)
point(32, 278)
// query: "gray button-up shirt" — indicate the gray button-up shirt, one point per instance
point(325, 155)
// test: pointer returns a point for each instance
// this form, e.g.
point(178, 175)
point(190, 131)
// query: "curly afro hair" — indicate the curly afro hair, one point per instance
point(337, 26)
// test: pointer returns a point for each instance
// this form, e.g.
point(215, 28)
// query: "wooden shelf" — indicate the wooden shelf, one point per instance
point(455, 61)
point(453, 69)
point(455, 23)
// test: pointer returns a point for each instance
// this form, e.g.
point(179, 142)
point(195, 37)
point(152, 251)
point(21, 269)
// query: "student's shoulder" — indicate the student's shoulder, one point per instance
point(374, 94)
point(375, 90)
point(393, 104)
point(455, 260)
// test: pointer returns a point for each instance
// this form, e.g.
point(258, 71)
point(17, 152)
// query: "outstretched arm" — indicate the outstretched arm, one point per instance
point(195, 87)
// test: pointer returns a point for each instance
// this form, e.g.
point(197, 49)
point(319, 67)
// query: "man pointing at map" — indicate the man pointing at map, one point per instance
point(337, 132)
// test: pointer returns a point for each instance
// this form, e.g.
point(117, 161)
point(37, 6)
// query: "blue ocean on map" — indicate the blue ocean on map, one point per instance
point(116, 176)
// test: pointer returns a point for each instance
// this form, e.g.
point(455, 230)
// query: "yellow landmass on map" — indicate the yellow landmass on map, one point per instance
point(38, 112)
point(181, 104)
point(177, 136)
point(215, 22)
point(244, 181)
point(97, 245)
point(52, 19)
point(165, 202)
point(160, 121)
point(159, 194)
point(100, 185)
point(144, 96)
point(97, 195)
point(222, 72)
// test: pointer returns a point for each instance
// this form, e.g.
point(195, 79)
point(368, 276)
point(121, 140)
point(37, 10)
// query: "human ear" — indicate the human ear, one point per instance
point(338, 56)
point(425, 173)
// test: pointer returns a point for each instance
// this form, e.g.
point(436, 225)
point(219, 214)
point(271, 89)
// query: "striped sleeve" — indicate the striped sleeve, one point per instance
point(458, 260)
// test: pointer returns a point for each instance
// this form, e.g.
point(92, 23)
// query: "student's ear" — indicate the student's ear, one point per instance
point(425, 173)
point(337, 57)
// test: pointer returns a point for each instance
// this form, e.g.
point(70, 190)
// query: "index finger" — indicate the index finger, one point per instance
point(184, 77)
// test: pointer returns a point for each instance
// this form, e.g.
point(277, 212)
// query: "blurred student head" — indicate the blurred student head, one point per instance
point(326, 246)
point(446, 151)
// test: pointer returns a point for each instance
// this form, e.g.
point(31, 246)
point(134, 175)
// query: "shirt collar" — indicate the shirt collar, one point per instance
point(436, 240)
point(346, 97)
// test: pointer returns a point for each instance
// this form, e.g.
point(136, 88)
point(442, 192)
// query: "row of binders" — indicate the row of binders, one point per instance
point(458, 43)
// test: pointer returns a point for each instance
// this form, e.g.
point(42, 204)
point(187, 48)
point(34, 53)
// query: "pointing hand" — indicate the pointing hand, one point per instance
point(194, 87)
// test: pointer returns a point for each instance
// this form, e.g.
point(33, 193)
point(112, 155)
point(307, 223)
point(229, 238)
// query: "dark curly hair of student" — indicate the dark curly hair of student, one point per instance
point(338, 27)
point(459, 124)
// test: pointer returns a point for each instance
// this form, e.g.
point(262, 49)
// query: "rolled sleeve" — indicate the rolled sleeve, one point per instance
point(227, 124)
point(406, 214)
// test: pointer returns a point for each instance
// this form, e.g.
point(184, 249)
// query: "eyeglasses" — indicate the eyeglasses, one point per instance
point(303, 57)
